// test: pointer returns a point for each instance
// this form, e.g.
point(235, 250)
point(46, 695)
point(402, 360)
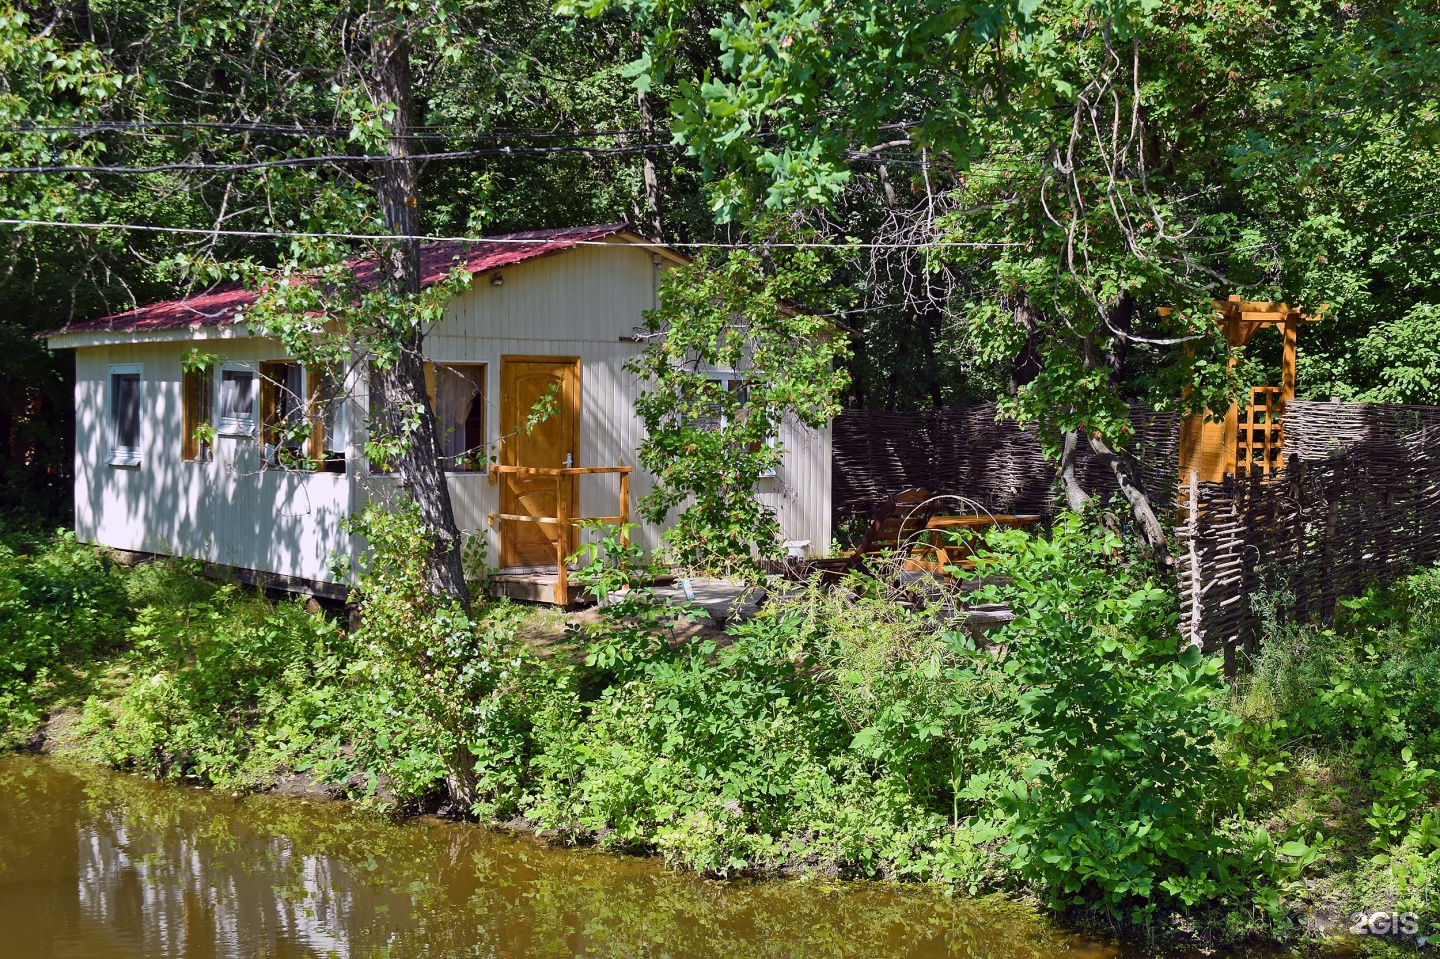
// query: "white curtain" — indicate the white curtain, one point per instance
point(455, 391)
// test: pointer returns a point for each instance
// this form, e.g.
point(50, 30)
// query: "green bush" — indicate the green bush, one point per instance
point(218, 685)
point(1356, 706)
point(707, 754)
point(61, 605)
point(1123, 733)
point(1078, 754)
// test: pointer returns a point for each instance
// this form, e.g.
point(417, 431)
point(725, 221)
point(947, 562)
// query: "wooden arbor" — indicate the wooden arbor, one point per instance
point(1252, 441)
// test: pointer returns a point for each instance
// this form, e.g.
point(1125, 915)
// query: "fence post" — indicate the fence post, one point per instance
point(1192, 535)
point(624, 508)
point(562, 539)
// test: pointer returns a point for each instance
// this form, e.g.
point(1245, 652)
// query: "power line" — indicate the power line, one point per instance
point(317, 160)
point(292, 235)
point(140, 126)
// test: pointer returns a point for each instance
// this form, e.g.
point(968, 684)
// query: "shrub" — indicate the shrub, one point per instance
point(60, 605)
point(1359, 701)
point(223, 686)
point(1122, 730)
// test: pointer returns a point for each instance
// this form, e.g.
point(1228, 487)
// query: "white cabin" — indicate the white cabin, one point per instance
point(556, 306)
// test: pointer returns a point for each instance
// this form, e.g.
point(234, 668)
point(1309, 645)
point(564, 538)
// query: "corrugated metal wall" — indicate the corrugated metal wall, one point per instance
point(225, 511)
point(586, 303)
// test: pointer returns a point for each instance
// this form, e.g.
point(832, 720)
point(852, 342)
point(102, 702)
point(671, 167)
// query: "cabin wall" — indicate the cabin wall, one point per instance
point(225, 511)
point(583, 303)
point(587, 303)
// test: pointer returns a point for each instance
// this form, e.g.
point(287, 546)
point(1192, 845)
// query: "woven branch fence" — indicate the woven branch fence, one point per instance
point(1357, 504)
point(965, 451)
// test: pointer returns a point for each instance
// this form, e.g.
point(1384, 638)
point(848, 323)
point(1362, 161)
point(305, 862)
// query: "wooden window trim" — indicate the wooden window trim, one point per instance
point(196, 411)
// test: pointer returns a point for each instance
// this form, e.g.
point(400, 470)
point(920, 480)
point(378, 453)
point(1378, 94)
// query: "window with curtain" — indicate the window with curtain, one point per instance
point(236, 403)
point(459, 399)
point(282, 411)
point(328, 417)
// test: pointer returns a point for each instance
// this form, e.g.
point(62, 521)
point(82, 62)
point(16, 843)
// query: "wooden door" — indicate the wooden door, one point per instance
point(525, 383)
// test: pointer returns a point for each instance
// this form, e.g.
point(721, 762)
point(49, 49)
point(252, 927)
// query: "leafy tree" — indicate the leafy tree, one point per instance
point(730, 357)
point(1099, 160)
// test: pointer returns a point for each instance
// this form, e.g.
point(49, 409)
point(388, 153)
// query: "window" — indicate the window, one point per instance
point(282, 412)
point(457, 392)
point(718, 420)
point(195, 386)
point(126, 389)
point(328, 420)
point(236, 404)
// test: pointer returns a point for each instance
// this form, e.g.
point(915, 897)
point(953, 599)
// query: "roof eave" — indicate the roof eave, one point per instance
point(80, 339)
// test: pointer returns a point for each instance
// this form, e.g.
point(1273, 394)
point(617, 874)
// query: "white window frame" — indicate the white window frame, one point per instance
point(123, 455)
point(722, 376)
point(233, 426)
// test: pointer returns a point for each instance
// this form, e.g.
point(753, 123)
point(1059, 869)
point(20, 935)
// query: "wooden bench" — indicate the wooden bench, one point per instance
point(959, 552)
point(897, 533)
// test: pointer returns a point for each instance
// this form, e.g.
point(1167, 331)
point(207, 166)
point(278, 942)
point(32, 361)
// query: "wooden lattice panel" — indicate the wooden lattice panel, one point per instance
point(1259, 438)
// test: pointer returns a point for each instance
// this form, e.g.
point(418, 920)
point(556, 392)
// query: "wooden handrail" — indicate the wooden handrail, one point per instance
point(558, 470)
point(517, 518)
point(564, 477)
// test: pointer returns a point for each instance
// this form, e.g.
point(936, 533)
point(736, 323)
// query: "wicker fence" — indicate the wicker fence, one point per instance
point(966, 452)
point(1357, 503)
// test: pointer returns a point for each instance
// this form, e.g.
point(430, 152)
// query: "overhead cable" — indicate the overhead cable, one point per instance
point(373, 237)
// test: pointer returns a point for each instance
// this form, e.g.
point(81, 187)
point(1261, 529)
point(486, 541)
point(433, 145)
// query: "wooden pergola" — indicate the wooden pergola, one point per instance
point(1252, 441)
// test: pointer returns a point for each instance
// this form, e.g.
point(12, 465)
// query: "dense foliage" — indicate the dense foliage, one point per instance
point(731, 355)
point(1027, 182)
point(1079, 755)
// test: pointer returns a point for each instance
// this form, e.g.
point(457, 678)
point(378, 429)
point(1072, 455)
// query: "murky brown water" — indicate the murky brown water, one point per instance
point(99, 865)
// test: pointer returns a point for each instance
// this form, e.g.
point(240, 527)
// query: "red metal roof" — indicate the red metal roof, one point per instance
point(218, 305)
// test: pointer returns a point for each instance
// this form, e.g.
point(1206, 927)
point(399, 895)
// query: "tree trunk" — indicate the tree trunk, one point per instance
point(1075, 496)
point(401, 385)
point(1025, 366)
point(1122, 465)
point(653, 197)
point(1127, 477)
point(1121, 318)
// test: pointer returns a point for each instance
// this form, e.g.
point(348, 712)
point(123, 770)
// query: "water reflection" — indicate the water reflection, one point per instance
point(98, 865)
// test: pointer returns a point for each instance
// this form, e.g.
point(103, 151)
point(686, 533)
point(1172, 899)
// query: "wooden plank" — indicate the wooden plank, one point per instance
point(528, 589)
point(559, 471)
point(624, 518)
point(563, 489)
point(1287, 363)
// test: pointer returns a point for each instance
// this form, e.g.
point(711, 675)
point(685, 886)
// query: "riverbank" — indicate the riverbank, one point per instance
point(303, 879)
point(1077, 760)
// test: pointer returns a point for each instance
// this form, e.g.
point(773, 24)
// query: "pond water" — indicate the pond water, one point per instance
point(97, 865)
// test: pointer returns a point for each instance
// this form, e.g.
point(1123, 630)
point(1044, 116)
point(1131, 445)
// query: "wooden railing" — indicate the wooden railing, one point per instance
point(564, 486)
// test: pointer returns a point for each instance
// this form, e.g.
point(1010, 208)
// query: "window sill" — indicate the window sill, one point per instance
point(124, 458)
